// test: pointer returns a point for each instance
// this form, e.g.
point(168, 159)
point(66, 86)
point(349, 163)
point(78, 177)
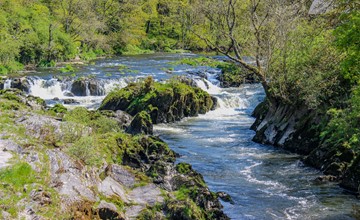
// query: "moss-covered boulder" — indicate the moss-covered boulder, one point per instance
point(141, 124)
point(165, 102)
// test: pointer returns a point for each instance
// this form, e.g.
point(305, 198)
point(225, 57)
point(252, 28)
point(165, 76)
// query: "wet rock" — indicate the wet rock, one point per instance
point(141, 124)
point(351, 178)
point(2, 82)
point(200, 73)
point(335, 169)
point(87, 87)
point(286, 126)
point(70, 101)
point(107, 210)
point(225, 197)
point(21, 84)
point(69, 94)
point(325, 179)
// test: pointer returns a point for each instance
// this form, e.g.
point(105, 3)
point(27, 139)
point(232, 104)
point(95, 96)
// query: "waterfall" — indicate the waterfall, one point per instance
point(7, 84)
point(46, 89)
point(87, 90)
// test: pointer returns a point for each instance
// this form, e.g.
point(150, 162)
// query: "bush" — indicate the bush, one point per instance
point(85, 150)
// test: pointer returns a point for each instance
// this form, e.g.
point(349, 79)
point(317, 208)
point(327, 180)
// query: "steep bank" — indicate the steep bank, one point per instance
point(81, 164)
point(298, 129)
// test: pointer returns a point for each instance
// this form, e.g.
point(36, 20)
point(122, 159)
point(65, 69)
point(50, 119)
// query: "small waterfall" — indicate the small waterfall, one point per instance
point(7, 84)
point(87, 90)
point(46, 89)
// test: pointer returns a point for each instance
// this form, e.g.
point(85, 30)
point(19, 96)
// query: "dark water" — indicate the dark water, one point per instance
point(264, 182)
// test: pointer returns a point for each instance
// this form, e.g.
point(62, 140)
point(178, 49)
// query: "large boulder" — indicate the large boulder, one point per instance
point(86, 87)
point(141, 124)
point(165, 102)
point(21, 84)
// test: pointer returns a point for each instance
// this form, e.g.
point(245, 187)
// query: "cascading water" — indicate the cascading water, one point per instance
point(264, 182)
point(7, 84)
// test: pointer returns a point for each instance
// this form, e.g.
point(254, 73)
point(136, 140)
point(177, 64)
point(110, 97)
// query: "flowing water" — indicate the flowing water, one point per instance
point(264, 182)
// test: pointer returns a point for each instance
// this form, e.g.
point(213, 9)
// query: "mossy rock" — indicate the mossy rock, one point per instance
point(351, 179)
point(141, 124)
point(184, 210)
point(165, 102)
point(141, 150)
point(58, 108)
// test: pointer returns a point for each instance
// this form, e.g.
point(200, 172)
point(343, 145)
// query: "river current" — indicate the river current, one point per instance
point(264, 182)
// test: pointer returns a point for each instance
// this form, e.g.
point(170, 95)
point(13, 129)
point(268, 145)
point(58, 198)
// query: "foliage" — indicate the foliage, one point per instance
point(58, 108)
point(85, 150)
point(343, 128)
point(67, 69)
point(44, 32)
point(348, 42)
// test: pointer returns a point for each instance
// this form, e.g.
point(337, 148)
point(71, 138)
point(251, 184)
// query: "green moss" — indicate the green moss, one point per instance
point(183, 168)
point(165, 102)
point(58, 108)
point(12, 181)
point(67, 69)
point(184, 209)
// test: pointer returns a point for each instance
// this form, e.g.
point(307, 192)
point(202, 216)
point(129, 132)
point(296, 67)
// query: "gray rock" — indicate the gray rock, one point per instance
point(69, 180)
point(110, 188)
point(121, 175)
point(108, 211)
point(6, 215)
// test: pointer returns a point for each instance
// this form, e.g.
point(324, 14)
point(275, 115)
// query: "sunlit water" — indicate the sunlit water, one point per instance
point(264, 182)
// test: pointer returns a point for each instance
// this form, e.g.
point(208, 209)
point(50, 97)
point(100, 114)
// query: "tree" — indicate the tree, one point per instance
point(254, 28)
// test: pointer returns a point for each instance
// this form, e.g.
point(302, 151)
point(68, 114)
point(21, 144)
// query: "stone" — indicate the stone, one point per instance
point(21, 84)
point(164, 102)
point(111, 188)
point(141, 124)
point(225, 197)
point(326, 178)
point(107, 210)
point(40, 196)
point(70, 101)
point(87, 87)
point(121, 175)
point(351, 178)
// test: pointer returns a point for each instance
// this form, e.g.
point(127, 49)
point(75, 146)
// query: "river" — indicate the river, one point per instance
point(264, 182)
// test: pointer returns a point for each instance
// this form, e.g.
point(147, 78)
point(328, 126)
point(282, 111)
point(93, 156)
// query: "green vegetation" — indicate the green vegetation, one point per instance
point(232, 74)
point(164, 102)
point(44, 32)
point(67, 69)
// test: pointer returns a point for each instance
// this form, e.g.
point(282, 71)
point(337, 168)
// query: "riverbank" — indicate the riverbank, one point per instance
point(299, 130)
point(82, 164)
point(264, 182)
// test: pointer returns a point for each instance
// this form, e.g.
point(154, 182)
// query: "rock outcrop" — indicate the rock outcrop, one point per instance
point(86, 87)
point(81, 164)
point(297, 129)
point(164, 102)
